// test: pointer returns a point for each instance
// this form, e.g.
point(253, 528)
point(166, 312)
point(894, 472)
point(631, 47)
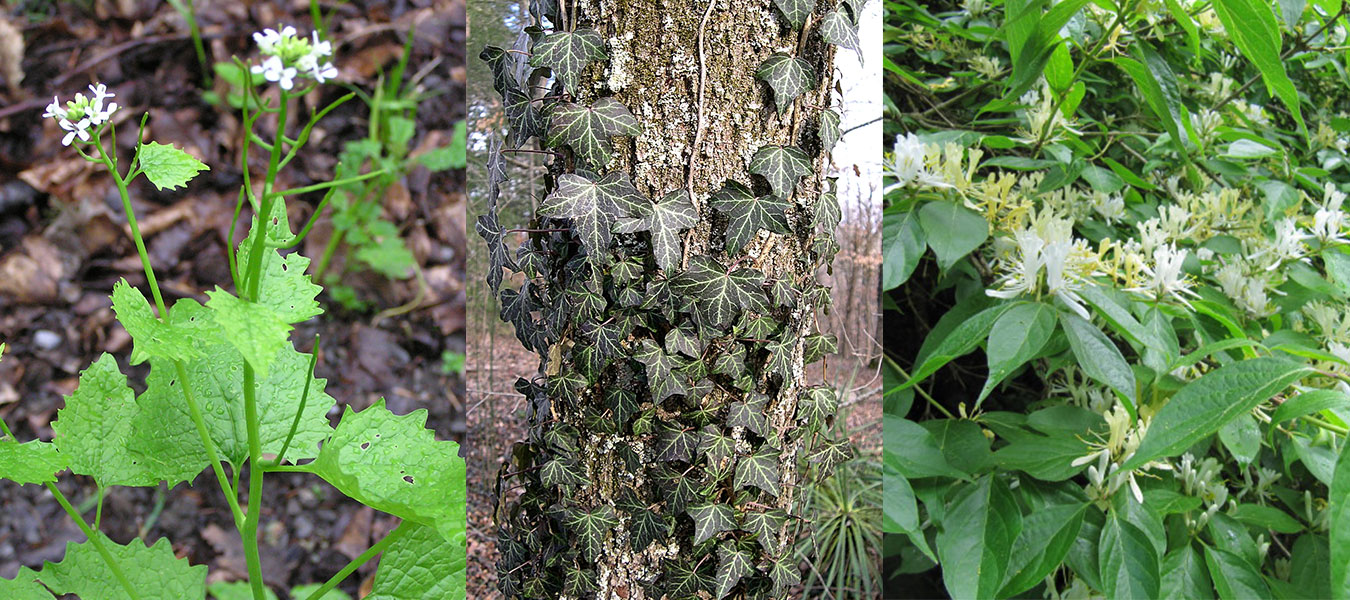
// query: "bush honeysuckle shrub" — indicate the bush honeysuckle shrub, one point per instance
point(667, 284)
point(227, 388)
point(1130, 367)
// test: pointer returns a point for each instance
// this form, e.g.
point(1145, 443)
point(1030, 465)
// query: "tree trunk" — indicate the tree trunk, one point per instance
point(580, 498)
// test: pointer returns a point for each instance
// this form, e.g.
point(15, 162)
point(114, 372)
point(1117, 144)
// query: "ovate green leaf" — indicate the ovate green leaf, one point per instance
point(255, 330)
point(1128, 560)
point(1016, 337)
point(1206, 404)
point(952, 230)
point(975, 540)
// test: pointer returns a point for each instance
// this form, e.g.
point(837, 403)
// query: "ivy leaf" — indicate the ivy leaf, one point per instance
point(784, 573)
point(780, 359)
point(626, 271)
point(420, 565)
point(796, 11)
point(579, 582)
point(765, 525)
point(167, 167)
point(561, 472)
point(395, 464)
point(760, 470)
point(827, 214)
point(594, 207)
point(523, 116)
point(816, 404)
point(817, 346)
point(680, 489)
point(675, 444)
point(730, 362)
point(789, 77)
point(684, 340)
point(490, 229)
point(757, 326)
point(747, 214)
point(715, 445)
point(30, 462)
point(152, 336)
point(732, 565)
point(646, 527)
point(828, 131)
point(837, 28)
point(567, 53)
point(832, 453)
point(784, 293)
point(673, 214)
point(720, 296)
point(749, 413)
point(587, 129)
point(782, 166)
point(94, 429)
point(623, 402)
point(660, 371)
point(591, 526)
point(710, 520)
point(253, 329)
point(154, 572)
point(685, 580)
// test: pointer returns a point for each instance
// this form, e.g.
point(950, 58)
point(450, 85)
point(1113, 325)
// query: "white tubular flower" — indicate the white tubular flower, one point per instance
point(909, 164)
point(288, 57)
point(1165, 277)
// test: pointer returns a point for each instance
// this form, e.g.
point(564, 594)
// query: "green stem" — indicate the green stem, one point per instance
point(356, 563)
point(95, 540)
point(917, 388)
point(333, 241)
point(253, 281)
point(304, 398)
point(255, 476)
point(194, 409)
point(323, 186)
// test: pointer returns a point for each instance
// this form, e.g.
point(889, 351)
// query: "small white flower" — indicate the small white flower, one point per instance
point(54, 109)
point(288, 57)
point(74, 130)
point(1165, 277)
point(273, 69)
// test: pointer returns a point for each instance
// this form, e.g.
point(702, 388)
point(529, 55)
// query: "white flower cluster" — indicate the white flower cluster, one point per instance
point(82, 114)
point(1047, 244)
point(909, 164)
point(289, 57)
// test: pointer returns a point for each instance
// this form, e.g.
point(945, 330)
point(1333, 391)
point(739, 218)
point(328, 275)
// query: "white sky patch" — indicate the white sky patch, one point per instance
point(860, 103)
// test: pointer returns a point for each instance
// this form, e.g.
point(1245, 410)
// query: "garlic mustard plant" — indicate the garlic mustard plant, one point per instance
point(227, 390)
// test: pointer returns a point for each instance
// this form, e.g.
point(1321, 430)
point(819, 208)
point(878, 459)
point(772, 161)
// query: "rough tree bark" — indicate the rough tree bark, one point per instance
point(659, 55)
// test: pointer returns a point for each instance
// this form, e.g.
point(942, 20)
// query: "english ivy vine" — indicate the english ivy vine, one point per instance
point(682, 367)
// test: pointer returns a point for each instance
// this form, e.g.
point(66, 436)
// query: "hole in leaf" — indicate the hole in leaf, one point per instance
point(365, 446)
point(408, 478)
